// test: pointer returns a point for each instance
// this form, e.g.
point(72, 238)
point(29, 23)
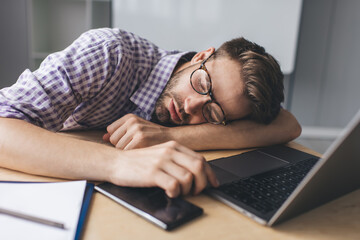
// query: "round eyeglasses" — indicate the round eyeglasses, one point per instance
point(201, 82)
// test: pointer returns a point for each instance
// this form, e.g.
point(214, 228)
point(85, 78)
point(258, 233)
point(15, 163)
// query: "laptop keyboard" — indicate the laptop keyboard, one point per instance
point(266, 192)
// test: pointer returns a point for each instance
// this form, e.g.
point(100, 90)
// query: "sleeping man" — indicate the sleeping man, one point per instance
point(157, 106)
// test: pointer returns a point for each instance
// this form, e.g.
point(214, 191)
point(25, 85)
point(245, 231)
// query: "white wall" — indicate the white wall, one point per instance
point(199, 24)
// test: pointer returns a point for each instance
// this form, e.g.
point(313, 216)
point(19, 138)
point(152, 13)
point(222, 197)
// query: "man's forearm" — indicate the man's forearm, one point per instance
point(238, 134)
point(171, 166)
point(31, 149)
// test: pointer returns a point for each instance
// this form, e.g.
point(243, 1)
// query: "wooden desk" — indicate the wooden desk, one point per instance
point(339, 219)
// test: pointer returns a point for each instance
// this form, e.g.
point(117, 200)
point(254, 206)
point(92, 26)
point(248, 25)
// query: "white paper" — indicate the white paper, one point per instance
point(60, 202)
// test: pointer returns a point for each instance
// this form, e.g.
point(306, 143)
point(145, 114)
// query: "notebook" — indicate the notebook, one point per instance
point(60, 202)
point(276, 183)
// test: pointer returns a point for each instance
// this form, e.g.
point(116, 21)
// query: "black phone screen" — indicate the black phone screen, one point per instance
point(152, 204)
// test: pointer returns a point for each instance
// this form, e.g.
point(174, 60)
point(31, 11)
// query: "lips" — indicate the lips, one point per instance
point(175, 116)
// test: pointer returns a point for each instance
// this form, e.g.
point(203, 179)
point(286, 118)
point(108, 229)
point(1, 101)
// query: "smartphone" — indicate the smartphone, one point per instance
point(152, 204)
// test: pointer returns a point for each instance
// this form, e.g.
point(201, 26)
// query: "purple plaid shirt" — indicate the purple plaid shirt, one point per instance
point(100, 77)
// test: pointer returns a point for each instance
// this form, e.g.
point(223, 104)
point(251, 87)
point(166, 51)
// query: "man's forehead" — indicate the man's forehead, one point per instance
point(229, 87)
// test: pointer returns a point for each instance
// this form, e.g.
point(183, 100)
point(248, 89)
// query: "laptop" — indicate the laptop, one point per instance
point(273, 184)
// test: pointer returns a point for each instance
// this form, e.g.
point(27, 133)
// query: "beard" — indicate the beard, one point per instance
point(161, 114)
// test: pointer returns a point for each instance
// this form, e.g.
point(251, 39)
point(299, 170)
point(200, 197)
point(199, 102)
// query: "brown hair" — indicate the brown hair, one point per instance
point(261, 74)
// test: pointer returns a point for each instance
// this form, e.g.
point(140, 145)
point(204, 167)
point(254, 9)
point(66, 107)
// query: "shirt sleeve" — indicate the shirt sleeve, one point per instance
point(49, 95)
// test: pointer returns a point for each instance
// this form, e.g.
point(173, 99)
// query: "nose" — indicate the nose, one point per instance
point(193, 104)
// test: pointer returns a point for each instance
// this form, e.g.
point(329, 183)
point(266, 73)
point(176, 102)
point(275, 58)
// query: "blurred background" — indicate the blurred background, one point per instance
point(315, 41)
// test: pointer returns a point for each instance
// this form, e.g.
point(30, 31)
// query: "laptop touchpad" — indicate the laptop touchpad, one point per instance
point(249, 163)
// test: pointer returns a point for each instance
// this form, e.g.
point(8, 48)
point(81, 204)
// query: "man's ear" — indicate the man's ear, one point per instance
point(201, 56)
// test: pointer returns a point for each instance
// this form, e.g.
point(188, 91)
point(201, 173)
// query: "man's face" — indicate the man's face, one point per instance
point(180, 104)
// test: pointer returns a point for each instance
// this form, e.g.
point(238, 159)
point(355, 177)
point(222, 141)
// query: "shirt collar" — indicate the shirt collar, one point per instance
point(146, 95)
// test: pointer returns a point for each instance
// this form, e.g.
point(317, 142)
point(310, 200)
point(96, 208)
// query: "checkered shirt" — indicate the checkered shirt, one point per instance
point(100, 77)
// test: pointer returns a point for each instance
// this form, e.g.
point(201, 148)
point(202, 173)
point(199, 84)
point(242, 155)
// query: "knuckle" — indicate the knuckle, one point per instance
point(141, 137)
point(159, 162)
point(198, 166)
point(200, 157)
point(172, 185)
point(132, 119)
point(172, 144)
point(167, 151)
point(188, 177)
point(113, 140)
point(137, 127)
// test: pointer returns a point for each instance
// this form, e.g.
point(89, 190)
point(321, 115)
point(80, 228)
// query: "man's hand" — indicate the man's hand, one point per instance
point(131, 132)
point(170, 166)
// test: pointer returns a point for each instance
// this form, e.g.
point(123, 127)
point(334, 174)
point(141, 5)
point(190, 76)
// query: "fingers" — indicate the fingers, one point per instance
point(127, 132)
point(126, 139)
point(116, 135)
point(116, 130)
point(168, 183)
point(183, 177)
point(196, 165)
point(119, 134)
point(211, 176)
point(106, 137)
point(171, 166)
point(119, 139)
point(115, 125)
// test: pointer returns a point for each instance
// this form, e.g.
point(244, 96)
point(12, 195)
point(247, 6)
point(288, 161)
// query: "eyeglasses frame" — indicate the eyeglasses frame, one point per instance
point(209, 92)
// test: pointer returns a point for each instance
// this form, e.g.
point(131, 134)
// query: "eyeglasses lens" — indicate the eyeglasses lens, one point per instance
point(213, 113)
point(200, 81)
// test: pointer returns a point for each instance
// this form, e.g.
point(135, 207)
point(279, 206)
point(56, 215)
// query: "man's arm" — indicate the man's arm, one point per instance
point(241, 134)
point(171, 166)
point(133, 132)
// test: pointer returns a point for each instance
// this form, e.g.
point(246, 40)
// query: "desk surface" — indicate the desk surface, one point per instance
point(339, 219)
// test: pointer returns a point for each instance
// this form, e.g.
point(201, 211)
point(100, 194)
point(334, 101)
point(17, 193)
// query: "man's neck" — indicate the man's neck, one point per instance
point(181, 67)
point(184, 62)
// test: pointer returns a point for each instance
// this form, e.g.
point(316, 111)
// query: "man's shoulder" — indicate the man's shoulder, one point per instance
point(115, 36)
